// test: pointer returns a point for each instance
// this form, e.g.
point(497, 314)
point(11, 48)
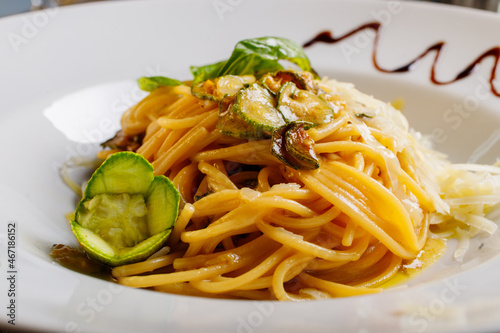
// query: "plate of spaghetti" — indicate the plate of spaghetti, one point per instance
point(330, 160)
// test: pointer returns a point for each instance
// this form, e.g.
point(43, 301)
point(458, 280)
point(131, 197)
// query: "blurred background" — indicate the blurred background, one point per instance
point(10, 7)
point(492, 5)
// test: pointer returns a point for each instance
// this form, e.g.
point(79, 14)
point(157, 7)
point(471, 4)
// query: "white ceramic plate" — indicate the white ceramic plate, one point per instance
point(67, 74)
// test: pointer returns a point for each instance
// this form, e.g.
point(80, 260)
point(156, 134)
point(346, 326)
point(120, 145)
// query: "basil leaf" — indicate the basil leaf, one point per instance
point(154, 82)
point(255, 56)
point(206, 72)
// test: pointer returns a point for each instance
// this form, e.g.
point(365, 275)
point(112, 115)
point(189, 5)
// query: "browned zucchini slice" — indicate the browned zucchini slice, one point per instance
point(293, 147)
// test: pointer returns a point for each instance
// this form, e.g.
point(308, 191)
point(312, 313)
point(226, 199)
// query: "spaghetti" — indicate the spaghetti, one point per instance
point(251, 227)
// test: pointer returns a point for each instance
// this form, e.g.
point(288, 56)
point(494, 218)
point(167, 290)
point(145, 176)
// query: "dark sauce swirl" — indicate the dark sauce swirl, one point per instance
point(494, 52)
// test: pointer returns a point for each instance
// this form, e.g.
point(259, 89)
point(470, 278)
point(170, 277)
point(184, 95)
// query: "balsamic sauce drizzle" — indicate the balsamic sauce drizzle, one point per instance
point(327, 37)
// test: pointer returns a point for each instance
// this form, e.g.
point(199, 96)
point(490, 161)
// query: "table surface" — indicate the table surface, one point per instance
point(9, 7)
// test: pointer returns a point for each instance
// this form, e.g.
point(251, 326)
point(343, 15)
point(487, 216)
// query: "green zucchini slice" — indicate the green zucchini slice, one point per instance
point(231, 84)
point(302, 105)
point(219, 87)
point(256, 106)
point(121, 173)
point(127, 212)
point(232, 124)
point(204, 90)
